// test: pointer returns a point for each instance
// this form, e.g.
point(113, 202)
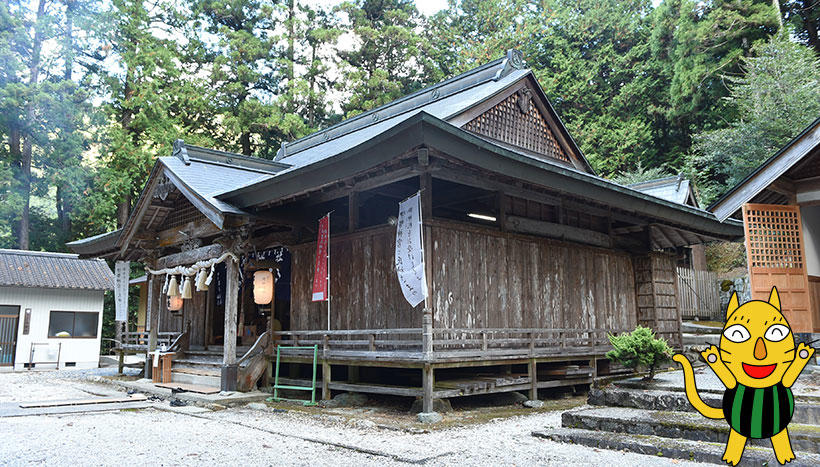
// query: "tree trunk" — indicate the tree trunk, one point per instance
point(123, 211)
point(25, 160)
point(245, 141)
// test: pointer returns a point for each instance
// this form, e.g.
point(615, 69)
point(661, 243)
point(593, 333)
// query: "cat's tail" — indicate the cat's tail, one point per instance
point(692, 390)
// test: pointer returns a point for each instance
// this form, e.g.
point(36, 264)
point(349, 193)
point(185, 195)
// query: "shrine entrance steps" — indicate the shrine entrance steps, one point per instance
point(657, 419)
point(200, 367)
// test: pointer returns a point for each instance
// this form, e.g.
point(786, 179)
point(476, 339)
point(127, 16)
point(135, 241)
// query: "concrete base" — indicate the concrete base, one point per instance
point(207, 400)
point(429, 417)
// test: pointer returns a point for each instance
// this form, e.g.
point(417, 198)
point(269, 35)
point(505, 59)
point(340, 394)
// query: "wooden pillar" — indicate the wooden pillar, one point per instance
point(353, 211)
point(501, 207)
point(533, 373)
point(427, 375)
point(152, 318)
point(325, 369)
point(229, 369)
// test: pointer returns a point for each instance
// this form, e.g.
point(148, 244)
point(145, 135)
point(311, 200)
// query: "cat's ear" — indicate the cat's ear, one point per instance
point(733, 305)
point(774, 298)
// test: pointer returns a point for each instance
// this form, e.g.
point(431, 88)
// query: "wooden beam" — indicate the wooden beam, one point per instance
point(177, 235)
point(187, 258)
point(558, 231)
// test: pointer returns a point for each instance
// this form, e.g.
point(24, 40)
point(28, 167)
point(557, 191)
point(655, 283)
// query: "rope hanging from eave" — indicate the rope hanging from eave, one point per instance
point(196, 267)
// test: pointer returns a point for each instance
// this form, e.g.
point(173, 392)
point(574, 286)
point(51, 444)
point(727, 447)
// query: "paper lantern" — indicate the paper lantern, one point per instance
point(187, 292)
point(174, 303)
point(262, 287)
point(173, 288)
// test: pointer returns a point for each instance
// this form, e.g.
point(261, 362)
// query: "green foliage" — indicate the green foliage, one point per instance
point(639, 350)
point(389, 57)
point(776, 97)
point(640, 174)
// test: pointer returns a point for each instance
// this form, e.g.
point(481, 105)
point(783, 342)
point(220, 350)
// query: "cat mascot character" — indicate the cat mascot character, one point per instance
point(758, 363)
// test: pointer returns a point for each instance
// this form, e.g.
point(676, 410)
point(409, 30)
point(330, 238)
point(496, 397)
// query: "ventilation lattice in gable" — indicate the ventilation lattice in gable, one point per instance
point(516, 121)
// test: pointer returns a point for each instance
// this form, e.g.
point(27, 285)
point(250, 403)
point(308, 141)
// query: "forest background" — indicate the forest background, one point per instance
point(91, 92)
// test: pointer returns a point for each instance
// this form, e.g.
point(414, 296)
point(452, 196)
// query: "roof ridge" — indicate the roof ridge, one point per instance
point(52, 254)
point(209, 155)
point(494, 70)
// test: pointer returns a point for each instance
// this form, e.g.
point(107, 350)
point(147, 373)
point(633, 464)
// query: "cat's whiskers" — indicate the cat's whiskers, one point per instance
point(717, 347)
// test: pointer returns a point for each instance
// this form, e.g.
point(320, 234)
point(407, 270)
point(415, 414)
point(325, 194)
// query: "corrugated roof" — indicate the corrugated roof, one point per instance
point(22, 268)
point(676, 189)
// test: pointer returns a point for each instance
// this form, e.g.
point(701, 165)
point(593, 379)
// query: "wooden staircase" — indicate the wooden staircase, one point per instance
point(203, 367)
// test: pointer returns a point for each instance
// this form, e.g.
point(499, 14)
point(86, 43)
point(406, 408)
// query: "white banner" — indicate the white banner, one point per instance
point(122, 273)
point(409, 253)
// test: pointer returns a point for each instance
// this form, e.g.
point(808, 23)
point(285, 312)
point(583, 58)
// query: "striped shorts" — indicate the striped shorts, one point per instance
point(758, 412)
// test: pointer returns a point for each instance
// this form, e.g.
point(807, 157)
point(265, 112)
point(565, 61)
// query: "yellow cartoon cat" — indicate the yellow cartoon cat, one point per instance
point(758, 363)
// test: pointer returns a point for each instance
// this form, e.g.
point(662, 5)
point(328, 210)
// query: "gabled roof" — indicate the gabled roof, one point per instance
point(676, 189)
point(199, 174)
point(456, 100)
point(22, 268)
point(802, 147)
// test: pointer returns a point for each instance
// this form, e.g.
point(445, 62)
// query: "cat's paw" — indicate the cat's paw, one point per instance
point(787, 457)
point(732, 459)
point(711, 355)
point(804, 352)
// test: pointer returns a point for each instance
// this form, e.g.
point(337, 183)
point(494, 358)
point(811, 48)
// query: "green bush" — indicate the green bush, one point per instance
point(639, 350)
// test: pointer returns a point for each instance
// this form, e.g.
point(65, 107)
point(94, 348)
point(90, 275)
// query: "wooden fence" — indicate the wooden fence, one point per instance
point(699, 295)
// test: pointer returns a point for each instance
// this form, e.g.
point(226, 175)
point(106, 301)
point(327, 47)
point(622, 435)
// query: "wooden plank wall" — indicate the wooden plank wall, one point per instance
point(193, 310)
point(699, 295)
point(364, 290)
point(484, 278)
point(657, 292)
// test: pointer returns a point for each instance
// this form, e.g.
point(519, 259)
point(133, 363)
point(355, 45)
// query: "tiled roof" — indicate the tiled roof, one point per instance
point(21, 268)
point(675, 189)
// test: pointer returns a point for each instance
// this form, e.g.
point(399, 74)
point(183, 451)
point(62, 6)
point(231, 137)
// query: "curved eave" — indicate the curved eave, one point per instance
point(433, 132)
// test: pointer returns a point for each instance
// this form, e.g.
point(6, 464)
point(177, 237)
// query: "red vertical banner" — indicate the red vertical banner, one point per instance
point(320, 277)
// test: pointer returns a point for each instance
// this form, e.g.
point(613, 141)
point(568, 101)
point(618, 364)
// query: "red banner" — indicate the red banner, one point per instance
point(321, 277)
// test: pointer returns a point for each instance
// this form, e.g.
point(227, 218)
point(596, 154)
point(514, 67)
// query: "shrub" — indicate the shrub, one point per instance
point(639, 350)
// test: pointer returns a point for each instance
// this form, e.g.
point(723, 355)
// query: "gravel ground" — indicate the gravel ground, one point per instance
point(244, 436)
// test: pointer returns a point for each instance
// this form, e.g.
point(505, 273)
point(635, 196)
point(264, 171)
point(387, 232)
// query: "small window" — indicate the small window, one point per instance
point(72, 324)
point(27, 322)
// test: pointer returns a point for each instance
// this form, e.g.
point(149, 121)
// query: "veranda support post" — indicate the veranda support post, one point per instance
point(229, 368)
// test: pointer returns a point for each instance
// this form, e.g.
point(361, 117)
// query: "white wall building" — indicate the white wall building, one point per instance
point(51, 308)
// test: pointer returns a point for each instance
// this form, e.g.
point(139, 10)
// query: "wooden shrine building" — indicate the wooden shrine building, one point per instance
point(531, 258)
point(779, 203)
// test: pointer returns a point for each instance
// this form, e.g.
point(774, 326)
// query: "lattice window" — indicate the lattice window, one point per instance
point(773, 234)
point(517, 121)
point(183, 213)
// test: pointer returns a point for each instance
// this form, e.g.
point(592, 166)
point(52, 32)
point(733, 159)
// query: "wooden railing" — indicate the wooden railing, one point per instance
point(450, 343)
point(139, 340)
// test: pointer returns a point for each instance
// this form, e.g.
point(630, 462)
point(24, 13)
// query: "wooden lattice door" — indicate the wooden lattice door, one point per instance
point(774, 251)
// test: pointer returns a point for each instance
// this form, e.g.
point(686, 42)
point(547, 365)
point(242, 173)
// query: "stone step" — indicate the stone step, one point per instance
point(197, 371)
point(697, 451)
point(679, 425)
point(701, 339)
point(194, 361)
point(805, 412)
point(696, 328)
point(195, 379)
